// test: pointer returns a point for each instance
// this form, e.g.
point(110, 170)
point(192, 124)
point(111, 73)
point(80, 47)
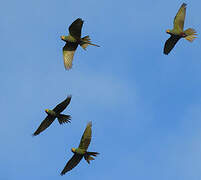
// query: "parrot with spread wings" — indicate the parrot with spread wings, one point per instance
point(81, 151)
point(178, 31)
point(53, 114)
point(72, 41)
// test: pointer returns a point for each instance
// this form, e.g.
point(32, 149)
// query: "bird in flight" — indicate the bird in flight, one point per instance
point(178, 31)
point(72, 41)
point(81, 151)
point(53, 114)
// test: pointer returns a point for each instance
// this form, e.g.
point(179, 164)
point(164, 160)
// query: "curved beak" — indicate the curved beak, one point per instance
point(62, 37)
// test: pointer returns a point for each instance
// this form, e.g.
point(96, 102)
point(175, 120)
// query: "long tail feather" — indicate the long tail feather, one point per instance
point(85, 41)
point(191, 34)
point(93, 153)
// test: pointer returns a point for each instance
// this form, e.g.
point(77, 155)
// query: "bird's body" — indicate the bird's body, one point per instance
point(178, 31)
point(53, 114)
point(70, 38)
point(81, 151)
point(72, 41)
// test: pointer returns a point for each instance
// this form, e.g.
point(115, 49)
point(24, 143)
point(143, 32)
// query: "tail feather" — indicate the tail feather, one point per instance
point(85, 41)
point(88, 156)
point(62, 118)
point(190, 34)
point(93, 153)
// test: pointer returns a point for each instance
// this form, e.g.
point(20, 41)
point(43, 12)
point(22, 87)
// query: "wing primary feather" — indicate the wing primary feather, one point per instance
point(44, 125)
point(68, 54)
point(86, 137)
point(170, 43)
point(74, 161)
point(60, 107)
point(179, 19)
point(75, 28)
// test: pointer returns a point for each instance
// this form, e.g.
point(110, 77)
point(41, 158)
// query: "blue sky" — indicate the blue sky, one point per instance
point(144, 106)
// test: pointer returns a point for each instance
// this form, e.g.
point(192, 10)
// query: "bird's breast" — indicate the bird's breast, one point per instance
point(71, 39)
point(80, 151)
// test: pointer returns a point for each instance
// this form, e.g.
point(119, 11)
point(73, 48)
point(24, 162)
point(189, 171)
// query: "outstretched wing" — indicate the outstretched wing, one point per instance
point(170, 43)
point(68, 54)
point(86, 137)
point(76, 28)
point(180, 18)
point(44, 125)
point(72, 163)
point(60, 107)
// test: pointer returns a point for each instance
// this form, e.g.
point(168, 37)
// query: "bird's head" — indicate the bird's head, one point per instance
point(73, 150)
point(46, 110)
point(63, 38)
point(168, 31)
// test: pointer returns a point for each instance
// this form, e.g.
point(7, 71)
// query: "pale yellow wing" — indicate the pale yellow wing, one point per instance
point(180, 18)
point(68, 54)
point(86, 137)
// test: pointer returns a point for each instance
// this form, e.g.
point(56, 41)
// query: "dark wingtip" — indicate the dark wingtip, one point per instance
point(69, 96)
point(184, 4)
point(34, 134)
point(165, 52)
point(80, 19)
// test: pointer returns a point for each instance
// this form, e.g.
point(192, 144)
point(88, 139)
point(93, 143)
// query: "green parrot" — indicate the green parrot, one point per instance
point(81, 151)
point(72, 41)
point(178, 31)
point(53, 114)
